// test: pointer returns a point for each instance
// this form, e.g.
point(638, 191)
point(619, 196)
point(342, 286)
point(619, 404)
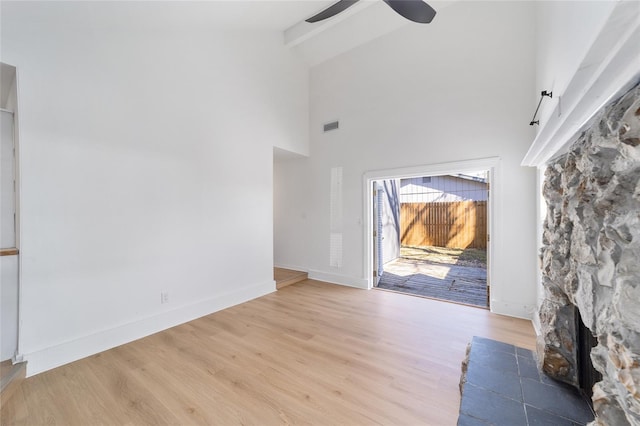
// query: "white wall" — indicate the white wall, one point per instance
point(146, 166)
point(565, 32)
point(9, 306)
point(460, 88)
point(7, 176)
point(291, 216)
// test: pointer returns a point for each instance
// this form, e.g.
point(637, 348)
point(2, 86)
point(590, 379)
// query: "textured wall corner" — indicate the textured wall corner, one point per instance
point(591, 259)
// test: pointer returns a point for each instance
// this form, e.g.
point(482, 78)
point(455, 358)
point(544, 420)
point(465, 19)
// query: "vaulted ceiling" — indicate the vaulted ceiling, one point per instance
point(317, 42)
point(230, 14)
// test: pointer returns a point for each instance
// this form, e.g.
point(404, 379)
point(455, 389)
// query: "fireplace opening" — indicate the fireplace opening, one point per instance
point(585, 342)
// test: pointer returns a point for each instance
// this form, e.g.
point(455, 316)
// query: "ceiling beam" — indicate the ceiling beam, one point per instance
point(303, 30)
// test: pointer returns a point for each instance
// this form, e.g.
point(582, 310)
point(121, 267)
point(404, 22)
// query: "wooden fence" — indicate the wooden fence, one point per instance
point(461, 224)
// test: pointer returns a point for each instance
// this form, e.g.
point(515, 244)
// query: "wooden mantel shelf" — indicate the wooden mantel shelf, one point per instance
point(9, 251)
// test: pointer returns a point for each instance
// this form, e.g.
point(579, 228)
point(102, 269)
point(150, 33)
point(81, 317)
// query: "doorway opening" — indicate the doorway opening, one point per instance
point(9, 218)
point(430, 232)
point(286, 244)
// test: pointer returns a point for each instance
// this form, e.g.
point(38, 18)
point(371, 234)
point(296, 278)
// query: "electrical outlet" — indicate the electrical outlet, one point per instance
point(164, 297)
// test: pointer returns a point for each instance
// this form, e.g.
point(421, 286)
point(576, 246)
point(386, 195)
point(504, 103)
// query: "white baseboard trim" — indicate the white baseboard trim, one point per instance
point(291, 267)
point(536, 326)
point(535, 320)
point(512, 309)
point(64, 353)
point(338, 279)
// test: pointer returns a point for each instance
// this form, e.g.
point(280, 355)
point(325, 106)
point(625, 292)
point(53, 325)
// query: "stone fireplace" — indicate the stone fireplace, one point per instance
point(591, 261)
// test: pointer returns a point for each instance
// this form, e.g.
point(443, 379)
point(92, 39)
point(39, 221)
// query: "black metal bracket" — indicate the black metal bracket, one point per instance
point(542, 95)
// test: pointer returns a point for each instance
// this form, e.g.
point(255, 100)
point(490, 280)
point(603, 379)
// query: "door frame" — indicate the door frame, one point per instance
point(15, 94)
point(377, 232)
point(494, 210)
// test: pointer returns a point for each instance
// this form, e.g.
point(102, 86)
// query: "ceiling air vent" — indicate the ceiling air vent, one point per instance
point(331, 126)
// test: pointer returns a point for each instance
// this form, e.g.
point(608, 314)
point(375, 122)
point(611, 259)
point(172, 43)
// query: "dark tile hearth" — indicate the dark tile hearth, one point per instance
point(503, 386)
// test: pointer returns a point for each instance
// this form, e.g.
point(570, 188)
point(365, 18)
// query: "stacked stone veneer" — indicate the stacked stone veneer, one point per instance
point(591, 259)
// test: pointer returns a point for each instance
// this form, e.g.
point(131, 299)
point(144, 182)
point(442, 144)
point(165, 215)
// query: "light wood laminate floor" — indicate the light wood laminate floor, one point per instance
point(311, 353)
point(285, 277)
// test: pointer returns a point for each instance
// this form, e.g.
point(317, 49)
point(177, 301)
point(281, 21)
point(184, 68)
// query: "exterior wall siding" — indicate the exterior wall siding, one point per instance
point(436, 189)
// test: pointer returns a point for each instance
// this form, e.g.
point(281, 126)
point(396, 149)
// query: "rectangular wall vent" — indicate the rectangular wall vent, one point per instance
point(331, 126)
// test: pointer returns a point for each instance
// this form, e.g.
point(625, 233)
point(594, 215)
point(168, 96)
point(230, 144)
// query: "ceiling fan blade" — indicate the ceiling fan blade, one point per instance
point(413, 10)
point(332, 10)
